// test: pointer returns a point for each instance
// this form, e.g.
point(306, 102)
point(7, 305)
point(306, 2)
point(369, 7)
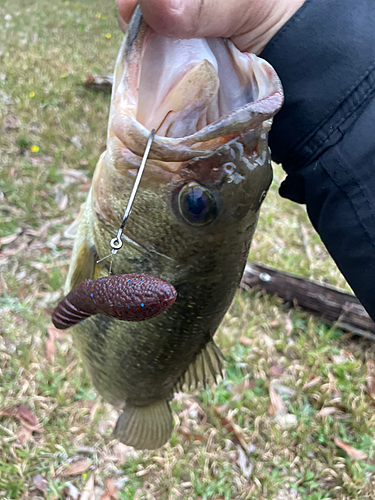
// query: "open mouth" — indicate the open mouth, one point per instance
point(185, 85)
point(196, 94)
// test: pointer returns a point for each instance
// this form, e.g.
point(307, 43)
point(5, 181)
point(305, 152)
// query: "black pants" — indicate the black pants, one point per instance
point(339, 191)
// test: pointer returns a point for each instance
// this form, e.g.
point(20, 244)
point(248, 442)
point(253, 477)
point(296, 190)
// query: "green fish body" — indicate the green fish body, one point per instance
point(192, 220)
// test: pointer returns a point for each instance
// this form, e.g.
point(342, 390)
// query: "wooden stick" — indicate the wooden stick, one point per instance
point(331, 304)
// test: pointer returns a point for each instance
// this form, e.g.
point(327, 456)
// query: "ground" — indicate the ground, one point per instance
point(294, 418)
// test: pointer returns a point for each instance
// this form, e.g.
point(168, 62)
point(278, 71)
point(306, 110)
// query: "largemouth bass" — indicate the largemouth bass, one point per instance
point(192, 221)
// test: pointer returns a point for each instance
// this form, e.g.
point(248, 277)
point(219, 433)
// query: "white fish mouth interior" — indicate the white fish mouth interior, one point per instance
point(184, 85)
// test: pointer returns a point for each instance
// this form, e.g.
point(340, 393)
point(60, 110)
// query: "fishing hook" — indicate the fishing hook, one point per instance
point(116, 243)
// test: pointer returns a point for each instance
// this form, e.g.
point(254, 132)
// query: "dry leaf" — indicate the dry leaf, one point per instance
point(245, 341)
point(276, 370)
point(339, 359)
point(6, 240)
point(50, 346)
point(312, 382)
point(11, 122)
point(245, 385)
point(189, 435)
point(231, 427)
point(352, 452)
point(111, 487)
point(76, 140)
point(110, 490)
point(88, 492)
point(274, 324)
point(70, 492)
point(73, 176)
point(39, 482)
point(327, 410)
point(8, 411)
point(95, 407)
point(55, 239)
point(244, 463)
point(370, 377)
point(120, 453)
point(57, 334)
point(24, 435)
point(213, 498)
point(28, 419)
point(288, 420)
point(24, 413)
point(282, 389)
point(277, 406)
point(41, 161)
point(20, 244)
point(76, 468)
point(288, 325)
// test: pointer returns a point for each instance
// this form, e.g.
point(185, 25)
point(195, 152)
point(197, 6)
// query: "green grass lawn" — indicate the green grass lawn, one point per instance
point(295, 388)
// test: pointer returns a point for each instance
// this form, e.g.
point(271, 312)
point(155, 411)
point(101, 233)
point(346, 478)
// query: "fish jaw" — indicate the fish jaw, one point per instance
point(197, 94)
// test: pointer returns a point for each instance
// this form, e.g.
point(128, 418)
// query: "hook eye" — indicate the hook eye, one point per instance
point(116, 244)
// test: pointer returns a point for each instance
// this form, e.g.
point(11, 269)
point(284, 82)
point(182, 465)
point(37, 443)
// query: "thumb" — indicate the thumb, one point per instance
point(249, 23)
point(125, 9)
point(197, 18)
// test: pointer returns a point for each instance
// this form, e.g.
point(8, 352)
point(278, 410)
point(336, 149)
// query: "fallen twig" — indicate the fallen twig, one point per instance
point(331, 304)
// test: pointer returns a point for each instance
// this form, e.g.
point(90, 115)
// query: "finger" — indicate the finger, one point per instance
point(126, 8)
point(249, 23)
point(194, 18)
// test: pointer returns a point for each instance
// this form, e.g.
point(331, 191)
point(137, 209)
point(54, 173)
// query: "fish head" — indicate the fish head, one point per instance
point(209, 165)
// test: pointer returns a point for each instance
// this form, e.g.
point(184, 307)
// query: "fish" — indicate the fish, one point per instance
point(192, 221)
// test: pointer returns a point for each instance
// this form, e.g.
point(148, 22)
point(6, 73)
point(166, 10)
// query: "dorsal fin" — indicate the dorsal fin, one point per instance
point(207, 364)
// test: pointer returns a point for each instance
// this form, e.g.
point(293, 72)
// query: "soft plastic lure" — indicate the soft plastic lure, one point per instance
point(128, 297)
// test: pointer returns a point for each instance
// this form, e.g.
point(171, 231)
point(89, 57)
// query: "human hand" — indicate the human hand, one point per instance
point(249, 23)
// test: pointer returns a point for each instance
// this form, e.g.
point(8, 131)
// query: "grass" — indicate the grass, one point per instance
point(229, 442)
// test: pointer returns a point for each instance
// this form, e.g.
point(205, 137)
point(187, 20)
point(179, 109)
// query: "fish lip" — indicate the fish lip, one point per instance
point(133, 135)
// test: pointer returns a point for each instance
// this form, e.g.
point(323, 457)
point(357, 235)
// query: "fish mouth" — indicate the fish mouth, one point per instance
point(197, 94)
point(186, 85)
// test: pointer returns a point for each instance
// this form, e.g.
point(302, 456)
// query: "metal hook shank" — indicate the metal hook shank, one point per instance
point(116, 242)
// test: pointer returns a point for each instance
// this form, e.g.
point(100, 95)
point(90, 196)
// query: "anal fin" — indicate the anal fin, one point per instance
point(207, 364)
point(145, 427)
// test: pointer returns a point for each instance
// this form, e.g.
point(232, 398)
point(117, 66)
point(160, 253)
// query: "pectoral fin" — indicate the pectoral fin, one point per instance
point(71, 231)
point(145, 427)
point(84, 265)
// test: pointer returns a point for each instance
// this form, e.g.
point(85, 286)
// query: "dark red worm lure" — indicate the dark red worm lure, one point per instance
point(128, 297)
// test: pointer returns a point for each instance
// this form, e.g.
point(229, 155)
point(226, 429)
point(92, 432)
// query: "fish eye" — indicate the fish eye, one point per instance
point(197, 204)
